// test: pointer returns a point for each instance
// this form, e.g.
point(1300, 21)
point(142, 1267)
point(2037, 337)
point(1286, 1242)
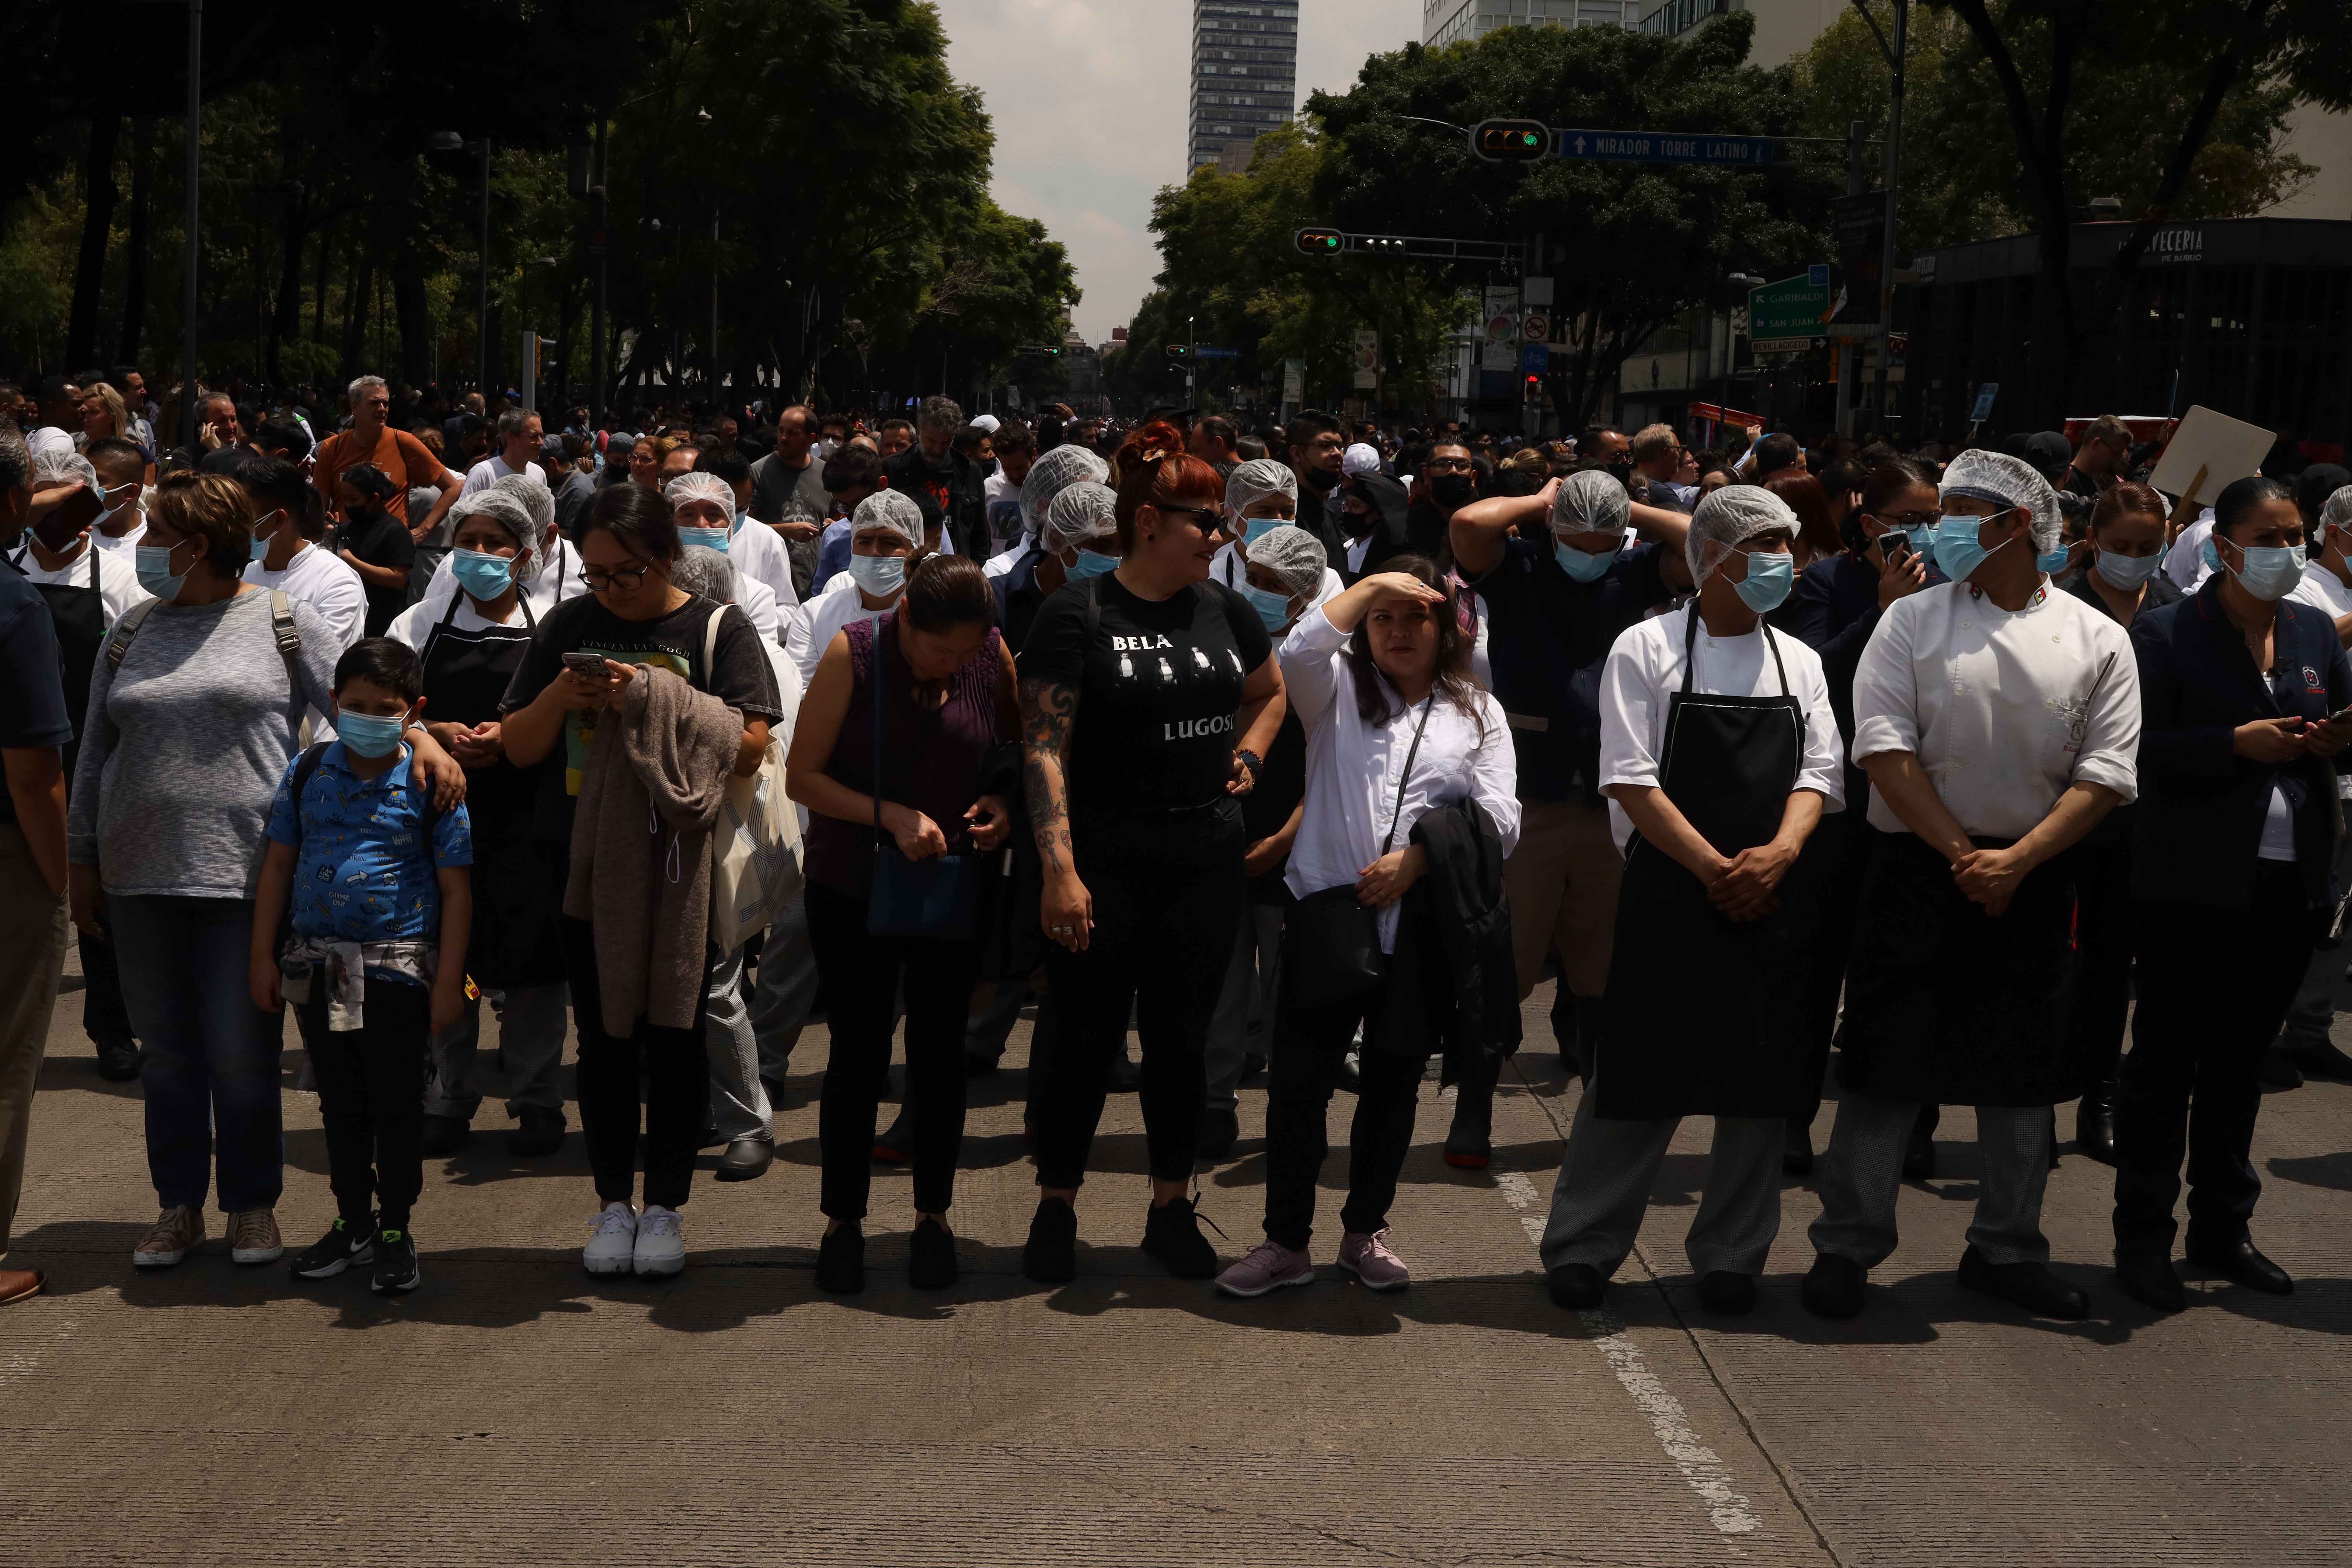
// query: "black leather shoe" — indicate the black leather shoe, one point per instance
point(2278, 1070)
point(1470, 1141)
point(1172, 1233)
point(2150, 1279)
point(1219, 1132)
point(539, 1132)
point(1797, 1150)
point(711, 1139)
point(1575, 1286)
point(932, 1257)
point(1351, 1075)
point(895, 1145)
point(1833, 1286)
point(1125, 1077)
point(2238, 1261)
point(2318, 1058)
point(2095, 1122)
point(746, 1158)
point(1726, 1292)
point(1051, 1253)
point(978, 1064)
point(1919, 1156)
point(442, 1136)
point(841, 1261)
point(2030, 1285)
point(119, 1063)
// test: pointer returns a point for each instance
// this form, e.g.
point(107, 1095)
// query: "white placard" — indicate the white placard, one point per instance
point(2225, 447)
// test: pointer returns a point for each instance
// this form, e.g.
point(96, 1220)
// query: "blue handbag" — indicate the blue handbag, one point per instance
point(937, 897)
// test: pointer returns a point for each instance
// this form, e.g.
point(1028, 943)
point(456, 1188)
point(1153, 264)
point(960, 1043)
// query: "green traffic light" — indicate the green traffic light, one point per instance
point(1529, 138)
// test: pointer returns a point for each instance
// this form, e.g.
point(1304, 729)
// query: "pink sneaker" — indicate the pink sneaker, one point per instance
point(1368, 1256)
point(1269, 1266)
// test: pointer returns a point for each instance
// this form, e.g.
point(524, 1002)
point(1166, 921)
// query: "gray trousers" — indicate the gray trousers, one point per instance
point(2312, 1015)
point(1245, 1015)
point(786, 988)
point(739, 1100)
point(1862, 1172)
point(531, 1020)
point(1604, 1185)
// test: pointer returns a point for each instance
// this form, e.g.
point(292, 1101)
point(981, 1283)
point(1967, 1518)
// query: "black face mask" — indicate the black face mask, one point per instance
point(1318, 479)
point(1621, 470)
point(1453, 490)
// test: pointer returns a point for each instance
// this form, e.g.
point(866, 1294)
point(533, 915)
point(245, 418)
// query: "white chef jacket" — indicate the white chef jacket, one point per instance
point(2003, 710)
point(1644, 668)
point(758, 552)
point(118, 579)
point(2322, 590)
point(1352, 766)
point(812, 632)
point(2184, 561)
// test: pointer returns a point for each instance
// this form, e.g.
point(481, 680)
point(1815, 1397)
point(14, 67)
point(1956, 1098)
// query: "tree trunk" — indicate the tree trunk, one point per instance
point(286, 322)
point(134, 276)
point(318, 300)
point(415, 318)
point(355, 315)
point(98, 196)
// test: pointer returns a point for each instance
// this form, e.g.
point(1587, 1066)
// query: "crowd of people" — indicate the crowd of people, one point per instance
point(1310, 749)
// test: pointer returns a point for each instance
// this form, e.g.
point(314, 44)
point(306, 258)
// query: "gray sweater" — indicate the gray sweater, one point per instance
point(186, 744)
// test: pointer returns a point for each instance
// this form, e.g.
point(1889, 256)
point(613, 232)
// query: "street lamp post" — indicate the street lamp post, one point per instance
point(1732, 285)
point(450, 141)
point(188, 301)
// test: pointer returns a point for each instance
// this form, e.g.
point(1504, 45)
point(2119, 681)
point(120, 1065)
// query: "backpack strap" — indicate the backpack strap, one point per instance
point(1094, 609)
point(125, 629)
point(711, 642)
point(289, 638)
point(305, 766)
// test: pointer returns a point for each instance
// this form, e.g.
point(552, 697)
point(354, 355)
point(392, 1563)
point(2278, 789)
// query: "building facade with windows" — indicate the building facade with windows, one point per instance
point(1444, 21)
point(1244, 76)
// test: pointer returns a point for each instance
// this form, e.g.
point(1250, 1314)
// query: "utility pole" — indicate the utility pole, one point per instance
point(188, 302)
point(1842, 357)
point(1894, 189)
point(603, 235)
point(1191, 351)
point(482, 333)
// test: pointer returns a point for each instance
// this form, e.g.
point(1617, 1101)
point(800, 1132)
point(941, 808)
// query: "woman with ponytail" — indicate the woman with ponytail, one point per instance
point(1148, 699)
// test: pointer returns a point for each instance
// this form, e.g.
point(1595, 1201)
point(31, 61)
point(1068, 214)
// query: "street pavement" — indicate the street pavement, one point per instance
point(515, 1410)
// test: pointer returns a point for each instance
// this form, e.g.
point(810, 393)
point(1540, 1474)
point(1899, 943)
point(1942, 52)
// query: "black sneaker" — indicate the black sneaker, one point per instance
point(841, 1260)
point(119, 1062)
point(1220, 1130)
point(932, 1257)
point(1172, 1233)
point(395, 1262)
point(344, 1244)
point(1051, 1253)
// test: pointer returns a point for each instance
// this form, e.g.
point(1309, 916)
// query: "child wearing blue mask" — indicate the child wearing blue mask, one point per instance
point(364, 886)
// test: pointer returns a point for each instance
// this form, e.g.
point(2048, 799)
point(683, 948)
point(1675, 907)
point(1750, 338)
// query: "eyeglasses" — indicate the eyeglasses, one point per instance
point(1207, 512)
point(1910, 520)
point(1450, 466)
point(628, 579)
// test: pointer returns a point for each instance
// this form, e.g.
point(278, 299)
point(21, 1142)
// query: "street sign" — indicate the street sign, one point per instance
point(1535, 359)
point(1366, 358)
point(1205, 351)
point(1818, 275)
point(1986, 393)
point(1787, 314)
point(1294, 380)
point(594, 244)
point(1662, 147)
point(1536, 327)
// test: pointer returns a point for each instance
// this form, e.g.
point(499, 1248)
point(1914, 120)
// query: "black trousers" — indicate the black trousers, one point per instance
point(2102, 941)
point(1823, 890)
point(1309, 1047)
point(1167, 899)
point(104, 1016)
point(2208, 1006)
point(860, 975)
point(372, 1099)
point(676, 1073)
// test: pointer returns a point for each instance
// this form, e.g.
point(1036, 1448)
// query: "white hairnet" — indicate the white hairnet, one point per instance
point(699, 569)
point(1055, 470)
point(51, 464)
point(1728, 519)
point(1360, 459)
point(2337, 510)
point(538, 501)
point(988, 422)
point(1292, 554)
point(1591, 501)
point(696, 485)
point(1253, 481)
point(2006, 481)
point(1079, 515)
point(505, 508)
point(888, 512)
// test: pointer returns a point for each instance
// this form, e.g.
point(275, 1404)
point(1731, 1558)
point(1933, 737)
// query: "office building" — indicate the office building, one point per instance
point(1244, 76)
point(1444, 21)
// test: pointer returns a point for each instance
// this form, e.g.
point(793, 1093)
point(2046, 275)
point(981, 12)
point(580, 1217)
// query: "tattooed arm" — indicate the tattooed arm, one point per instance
point(1049, 708)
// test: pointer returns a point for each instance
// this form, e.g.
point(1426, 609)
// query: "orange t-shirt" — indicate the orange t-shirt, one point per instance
point(404, 459)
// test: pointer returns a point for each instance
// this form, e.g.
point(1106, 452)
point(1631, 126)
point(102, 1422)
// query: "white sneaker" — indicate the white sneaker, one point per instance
point(661, 1242)
point(613, 1241)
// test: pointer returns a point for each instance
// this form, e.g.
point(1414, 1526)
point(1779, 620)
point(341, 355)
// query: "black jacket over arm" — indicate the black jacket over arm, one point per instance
point(1457, 927)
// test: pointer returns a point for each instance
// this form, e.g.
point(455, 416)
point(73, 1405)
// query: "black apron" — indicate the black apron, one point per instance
point(1684, 1025)
point(78, 614)
point(514, 938)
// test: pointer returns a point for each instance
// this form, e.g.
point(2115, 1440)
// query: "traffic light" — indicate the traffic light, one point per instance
point(1319, 241)
point(1180, 351)
point(1385, 244)
point(1511, 140)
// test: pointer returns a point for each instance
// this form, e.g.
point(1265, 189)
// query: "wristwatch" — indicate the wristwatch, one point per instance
point(1250, 760)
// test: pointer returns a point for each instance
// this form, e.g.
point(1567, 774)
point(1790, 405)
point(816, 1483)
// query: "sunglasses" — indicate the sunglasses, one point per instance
point(1200, 511)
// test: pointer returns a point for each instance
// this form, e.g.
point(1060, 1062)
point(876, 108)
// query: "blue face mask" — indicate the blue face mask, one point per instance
point(261, 546)
point(1274, 609)
point(2270, 573)
point(1770, 575)
point(154, 568)
point(2128, 572)
point(1958, 552)
point(1089, 564)
point(264, 536)
point(713, 539)
point(1582, 566)
point(368, 735)
point(1256, 528)
point(480, 574)
point(880, 576)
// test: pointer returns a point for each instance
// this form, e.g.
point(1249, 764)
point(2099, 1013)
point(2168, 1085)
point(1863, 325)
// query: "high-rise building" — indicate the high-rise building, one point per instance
point(1245, 74)
point(1444, 21)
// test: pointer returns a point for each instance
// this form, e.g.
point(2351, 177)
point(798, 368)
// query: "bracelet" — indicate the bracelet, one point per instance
point(1250, 760)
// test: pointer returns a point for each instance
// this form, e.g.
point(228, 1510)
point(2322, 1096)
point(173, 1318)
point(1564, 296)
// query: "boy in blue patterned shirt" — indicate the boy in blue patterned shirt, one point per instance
point(378, 888)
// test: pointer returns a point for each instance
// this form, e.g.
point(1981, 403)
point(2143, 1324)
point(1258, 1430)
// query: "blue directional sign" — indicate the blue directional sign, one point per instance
point(1662, 147)
point(1535, 359)
point(1818, 275)
point(1205, 351)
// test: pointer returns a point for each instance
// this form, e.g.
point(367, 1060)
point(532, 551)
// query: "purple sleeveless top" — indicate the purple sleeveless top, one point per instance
point(931, 758)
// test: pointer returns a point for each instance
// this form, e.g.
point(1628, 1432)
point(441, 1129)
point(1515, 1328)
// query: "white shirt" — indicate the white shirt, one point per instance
point(490, 470)
point(118, 580)
point(1644, 668)
point(758, 552)
point(48, 439)
point(126, 546)
point(1228, 567)
point(2324, 590)
point(807, 637)
point(414, 626)
point(558, 579)
point(1001, 565)
point(319, 577)
point(2184, 561)
point(1352, 766)
point(2003, 710)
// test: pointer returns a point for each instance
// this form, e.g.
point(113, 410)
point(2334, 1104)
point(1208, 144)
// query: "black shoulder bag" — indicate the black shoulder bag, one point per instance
point(937, 897)
point(1331, 943)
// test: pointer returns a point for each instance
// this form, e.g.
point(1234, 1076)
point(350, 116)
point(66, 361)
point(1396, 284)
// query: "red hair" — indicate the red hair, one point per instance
point(1154, 469)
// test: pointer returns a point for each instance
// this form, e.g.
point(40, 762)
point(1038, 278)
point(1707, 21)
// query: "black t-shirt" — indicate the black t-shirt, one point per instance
point(740, 676)
point(1158, 688)
point(380, 540)
point(32, 678)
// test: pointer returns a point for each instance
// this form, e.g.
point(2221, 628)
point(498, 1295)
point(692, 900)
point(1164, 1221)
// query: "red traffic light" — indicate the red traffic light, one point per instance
point(1511, 140)
point(1319, 241)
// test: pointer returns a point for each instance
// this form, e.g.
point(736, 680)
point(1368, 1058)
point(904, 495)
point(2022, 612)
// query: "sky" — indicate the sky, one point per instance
point(1089, 99)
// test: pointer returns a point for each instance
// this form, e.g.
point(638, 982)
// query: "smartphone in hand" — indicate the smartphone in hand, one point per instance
point(587, 665)
point(1894, 545)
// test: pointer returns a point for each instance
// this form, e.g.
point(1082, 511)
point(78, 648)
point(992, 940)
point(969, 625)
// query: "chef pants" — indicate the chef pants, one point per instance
point(531, 1022)
point(738, 1099)
point(1862, 1172)
point(1604, 1185)
point(1561, 880)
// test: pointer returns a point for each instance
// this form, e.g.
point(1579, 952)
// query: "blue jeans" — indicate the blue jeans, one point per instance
point(210, 1072)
